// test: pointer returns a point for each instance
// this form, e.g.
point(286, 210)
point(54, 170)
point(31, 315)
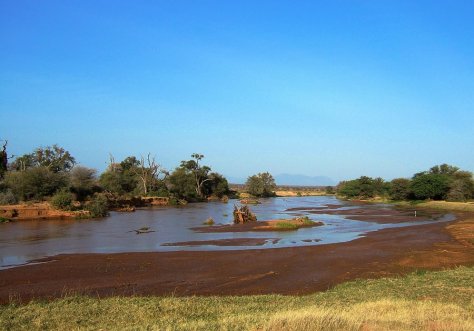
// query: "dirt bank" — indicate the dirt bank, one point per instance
point(285, 270)
point(35, 211)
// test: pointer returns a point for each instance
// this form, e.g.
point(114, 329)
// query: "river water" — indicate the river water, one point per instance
point(21, 242)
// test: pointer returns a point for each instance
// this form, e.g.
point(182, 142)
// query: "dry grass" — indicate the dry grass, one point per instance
point(377, 315)
point(420, 301)
point(447, 205)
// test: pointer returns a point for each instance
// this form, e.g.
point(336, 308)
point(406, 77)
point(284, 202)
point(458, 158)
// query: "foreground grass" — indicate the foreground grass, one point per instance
point(425, 300)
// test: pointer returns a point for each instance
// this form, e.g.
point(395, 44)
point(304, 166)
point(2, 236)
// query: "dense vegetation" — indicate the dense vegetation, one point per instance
point(420, 301)
point(51, 173)
point(441, 182)
point(261, 185)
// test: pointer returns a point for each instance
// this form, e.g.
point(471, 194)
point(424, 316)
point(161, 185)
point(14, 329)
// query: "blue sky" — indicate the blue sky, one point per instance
point(334, 88)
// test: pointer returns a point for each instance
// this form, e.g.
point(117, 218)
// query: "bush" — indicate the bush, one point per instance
point(7, 198)
point(400, 189)
point(98, 206)
point(430, 186)
point(62, 200)
point(261, 185)
point(209, 221)
point(35, 183)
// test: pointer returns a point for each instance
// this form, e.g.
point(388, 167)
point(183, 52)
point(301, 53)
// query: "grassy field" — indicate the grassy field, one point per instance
point(441, 300)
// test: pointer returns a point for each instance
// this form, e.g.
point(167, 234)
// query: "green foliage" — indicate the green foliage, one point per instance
point(118, 181)
point(194, 182)
point(430, 186)
point(53, 158)
point(98, 206)
point(363, 188)
point(287, 226)
point(261, 185)
point(400, 189)
point(135, 177)
point(62, 200)
point(306, 220)
point(330, 190)
point(200, 173)
point(35, 183)
point(83, 182)
point(216, 185)
point(5, 220)
point(440, 182)
point(182, 184)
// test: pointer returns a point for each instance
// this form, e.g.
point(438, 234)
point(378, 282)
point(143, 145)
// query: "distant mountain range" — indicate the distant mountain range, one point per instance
point(303, 180)
point(290, 179)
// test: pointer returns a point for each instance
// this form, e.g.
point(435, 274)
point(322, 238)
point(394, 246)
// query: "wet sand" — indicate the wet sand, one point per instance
point(377, 214)
point(225, 242)
point(298, 270)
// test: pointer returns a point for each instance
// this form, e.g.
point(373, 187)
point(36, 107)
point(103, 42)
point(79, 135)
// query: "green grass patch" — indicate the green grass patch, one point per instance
point(283, 225)
point(440, 300)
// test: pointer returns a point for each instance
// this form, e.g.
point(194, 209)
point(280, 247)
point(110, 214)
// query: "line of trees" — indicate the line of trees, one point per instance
point(51, 173)
point(441, 182)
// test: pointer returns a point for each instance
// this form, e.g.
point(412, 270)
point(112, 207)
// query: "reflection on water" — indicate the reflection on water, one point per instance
point(28, 240)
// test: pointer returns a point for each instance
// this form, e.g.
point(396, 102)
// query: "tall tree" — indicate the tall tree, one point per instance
point(3, 159)
point(53, 158)
point(261, 185)
point(200, 173)
point(149, 171)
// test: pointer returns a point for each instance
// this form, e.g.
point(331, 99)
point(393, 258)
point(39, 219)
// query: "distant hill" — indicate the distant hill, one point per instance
point(303, 180)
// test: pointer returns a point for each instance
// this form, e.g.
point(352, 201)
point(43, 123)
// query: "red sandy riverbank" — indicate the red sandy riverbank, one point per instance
point(285, 270)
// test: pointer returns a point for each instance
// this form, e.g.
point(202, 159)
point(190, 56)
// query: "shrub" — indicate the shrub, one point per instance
point(209, 221)
point(4, 220)
point(35, 183)
point(98, 206)
point(7, 198)
point(305, 220)
point(62, 200)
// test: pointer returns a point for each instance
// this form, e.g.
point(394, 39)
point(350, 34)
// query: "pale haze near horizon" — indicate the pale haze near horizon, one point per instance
point(340, 90)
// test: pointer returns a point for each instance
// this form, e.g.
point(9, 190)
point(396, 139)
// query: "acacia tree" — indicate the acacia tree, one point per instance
point(53, 158)
point(200, 173)
point(149, 171)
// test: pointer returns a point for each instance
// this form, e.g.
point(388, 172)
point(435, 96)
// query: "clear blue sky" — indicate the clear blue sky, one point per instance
point(335, 88)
